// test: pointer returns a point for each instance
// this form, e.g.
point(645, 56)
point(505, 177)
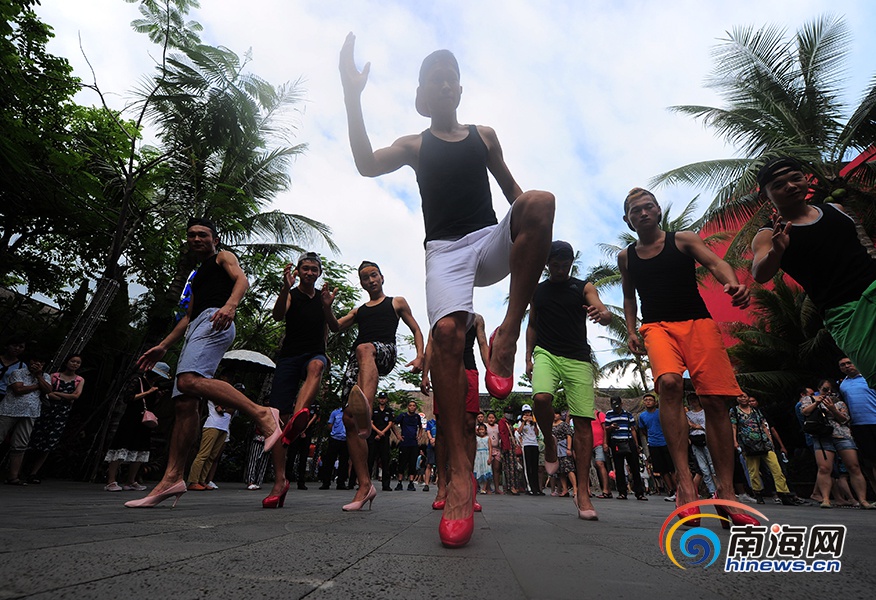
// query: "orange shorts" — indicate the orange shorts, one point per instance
point(472, 393)
point(694, 346)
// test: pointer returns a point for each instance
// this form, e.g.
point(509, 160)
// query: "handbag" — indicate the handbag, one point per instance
point(149, 419)
point(698, 440)
point(753, 446)
point(817, 425)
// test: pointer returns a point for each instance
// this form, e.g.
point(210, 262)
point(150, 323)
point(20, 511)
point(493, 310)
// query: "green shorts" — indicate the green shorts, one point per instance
point(576, 376)
point(853, 327)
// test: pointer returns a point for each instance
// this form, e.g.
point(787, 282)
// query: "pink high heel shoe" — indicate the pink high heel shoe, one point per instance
point(499, 387)
point(372, 493)
point(276, 501)
point(272, 439)
point(585, 515)
point(296, 425)
point(177, 489)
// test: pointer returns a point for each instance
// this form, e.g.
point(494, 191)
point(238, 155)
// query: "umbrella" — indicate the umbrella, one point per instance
point(248, 360)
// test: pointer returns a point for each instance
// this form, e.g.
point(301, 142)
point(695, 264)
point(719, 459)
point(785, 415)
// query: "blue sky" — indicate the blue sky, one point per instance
point(577, 92)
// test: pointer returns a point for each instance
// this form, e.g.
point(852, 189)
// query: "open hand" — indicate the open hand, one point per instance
point(352, 80)
point(150, 357)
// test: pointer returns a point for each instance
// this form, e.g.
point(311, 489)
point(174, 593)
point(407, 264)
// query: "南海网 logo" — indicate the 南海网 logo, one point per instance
point(700, 545)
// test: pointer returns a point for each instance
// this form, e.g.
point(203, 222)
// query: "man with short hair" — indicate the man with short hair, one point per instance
point(382, 419)
point(620, 429)
point(20, 408)
point(408, 448)
point(819, 246)
point(373, 355)
point(557, 354)
point(661, 460)
point(679, 335)
point(336, 450)
point(861, 400)
point(301, 360)
point(208, 327)
point(466, 247)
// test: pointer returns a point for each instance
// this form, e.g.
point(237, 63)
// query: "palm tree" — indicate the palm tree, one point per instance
point(783, 96)
point(785, 347)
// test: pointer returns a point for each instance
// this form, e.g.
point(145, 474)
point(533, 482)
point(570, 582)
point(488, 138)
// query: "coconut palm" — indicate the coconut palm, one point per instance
point(784, 96)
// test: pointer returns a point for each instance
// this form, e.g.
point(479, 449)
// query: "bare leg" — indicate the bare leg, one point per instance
point(185, 431)
point(441, 462)
point(112, 471)
point(450, 383)
point(278, 455)
point(15, 460)
point(310, 387)
point(544, 416)
point(532, 218)
point(676, 428)
point(859, 484)
point(720, 444)
point(358, 447)
point(573, 479)
point(38, 463)
point(133, 469)
point(582, 443)
point(603, 476)
point(225, 394)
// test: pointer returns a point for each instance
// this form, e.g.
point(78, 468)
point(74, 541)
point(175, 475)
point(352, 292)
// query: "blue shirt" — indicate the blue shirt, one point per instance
point(624, 422)
point(861, 400)
point(651, 422)
point(432, 428)
point(410, 425)
point(336, 420)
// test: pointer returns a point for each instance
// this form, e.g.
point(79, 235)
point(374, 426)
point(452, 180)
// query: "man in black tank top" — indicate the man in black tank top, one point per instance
point(373, 355)
point(679, 334)
point(301, 359)
point(208, 327)
point(464, 246)
point(819, 247)
point(557, 353)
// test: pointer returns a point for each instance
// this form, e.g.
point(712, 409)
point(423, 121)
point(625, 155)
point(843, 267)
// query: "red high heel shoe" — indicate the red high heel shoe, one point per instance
point(499, 387)
point(177, 489)
point(276, 501)
point(353, 506)
point(687, 513)
point(456, 533)
point(737, 518)
point(296, 425)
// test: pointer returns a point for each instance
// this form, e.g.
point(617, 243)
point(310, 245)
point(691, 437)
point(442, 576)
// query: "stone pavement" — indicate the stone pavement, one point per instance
point(73, 540)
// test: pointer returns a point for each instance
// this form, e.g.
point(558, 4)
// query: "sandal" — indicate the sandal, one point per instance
point(604, 495)
point(621, 496)
point(15, 481)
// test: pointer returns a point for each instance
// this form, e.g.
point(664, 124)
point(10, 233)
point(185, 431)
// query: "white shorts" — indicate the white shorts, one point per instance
point(455, 267)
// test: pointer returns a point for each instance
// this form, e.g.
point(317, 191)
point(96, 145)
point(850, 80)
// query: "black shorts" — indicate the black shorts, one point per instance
point(865, 439)
point(661, 460)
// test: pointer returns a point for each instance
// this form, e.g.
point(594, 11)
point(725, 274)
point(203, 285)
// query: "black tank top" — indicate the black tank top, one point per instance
point(211, 286)
point(468, 356)
point(561, 320)
point(828, 260)
point(454, 185)
point(305, 325)
point(377, 323)
point(667, 284)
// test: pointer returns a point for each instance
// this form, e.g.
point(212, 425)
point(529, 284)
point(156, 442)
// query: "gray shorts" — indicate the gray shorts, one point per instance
point(203, 349)
point(21, 428)
point(598, 453)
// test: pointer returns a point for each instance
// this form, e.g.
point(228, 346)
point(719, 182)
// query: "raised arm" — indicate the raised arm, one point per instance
point(369, 162)
point(496, 164)
point(631, 307)
point(403, 310)
point(768, 248)
point(692, 245)
point(283, 300)
point(346, 321)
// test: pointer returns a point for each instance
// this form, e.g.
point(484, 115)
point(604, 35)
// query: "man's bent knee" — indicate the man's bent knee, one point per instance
point(365, 352)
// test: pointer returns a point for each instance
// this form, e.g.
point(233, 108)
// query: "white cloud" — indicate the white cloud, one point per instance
point(577, 92)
